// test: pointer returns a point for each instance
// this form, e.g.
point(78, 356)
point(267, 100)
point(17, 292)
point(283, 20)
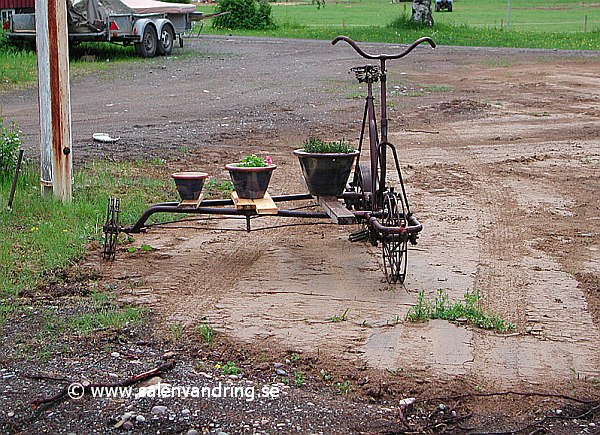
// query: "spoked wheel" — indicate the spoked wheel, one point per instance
point(111, 228)
point(394, 246)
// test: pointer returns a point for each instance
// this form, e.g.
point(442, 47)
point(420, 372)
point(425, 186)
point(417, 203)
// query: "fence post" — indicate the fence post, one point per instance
point(54, 97)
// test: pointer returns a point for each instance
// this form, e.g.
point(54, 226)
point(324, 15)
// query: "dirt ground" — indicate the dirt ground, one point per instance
point(501, 156)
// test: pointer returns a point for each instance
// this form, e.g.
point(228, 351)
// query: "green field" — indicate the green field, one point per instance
point(551, 24)
point(526, 15)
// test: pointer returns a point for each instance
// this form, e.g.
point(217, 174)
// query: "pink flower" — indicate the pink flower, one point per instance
point(269, 160)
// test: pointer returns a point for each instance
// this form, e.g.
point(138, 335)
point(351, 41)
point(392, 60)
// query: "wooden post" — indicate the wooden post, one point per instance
point(54, 97)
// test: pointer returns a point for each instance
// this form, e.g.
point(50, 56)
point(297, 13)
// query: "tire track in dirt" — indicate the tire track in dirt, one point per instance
point(516, 280)
point(522, 284)
point(189, 271)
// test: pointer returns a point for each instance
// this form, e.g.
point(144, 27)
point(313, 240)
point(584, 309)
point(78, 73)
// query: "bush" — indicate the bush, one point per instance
point(9, 145)
point(244, 14)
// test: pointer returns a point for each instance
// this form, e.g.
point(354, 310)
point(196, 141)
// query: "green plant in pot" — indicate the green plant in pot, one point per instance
point(326, 166)
point(251, 176)
point(189, 184)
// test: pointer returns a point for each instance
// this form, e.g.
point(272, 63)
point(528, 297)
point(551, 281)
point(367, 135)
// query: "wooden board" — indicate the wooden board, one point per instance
point(190, 203)
point(264, 205)
point(338, 213)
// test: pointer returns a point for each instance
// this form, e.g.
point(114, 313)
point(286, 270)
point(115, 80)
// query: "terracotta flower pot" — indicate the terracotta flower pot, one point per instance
point(326, 174)
point(250, 183)
point(189, 184)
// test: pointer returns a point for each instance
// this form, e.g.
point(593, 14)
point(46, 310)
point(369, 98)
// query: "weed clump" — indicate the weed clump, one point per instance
point(9, 145)
point(469, 309)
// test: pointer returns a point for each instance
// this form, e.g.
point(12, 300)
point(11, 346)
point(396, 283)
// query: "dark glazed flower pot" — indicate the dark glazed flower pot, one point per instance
point(326, 174)
point(189, 184)
point(250, 183)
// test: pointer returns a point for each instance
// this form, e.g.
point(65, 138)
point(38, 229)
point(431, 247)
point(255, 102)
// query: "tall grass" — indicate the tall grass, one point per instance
point(17, 65)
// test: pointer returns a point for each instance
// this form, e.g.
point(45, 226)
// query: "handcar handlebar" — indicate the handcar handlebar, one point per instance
point(410, 48)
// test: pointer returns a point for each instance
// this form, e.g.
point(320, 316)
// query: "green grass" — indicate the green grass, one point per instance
point(103, 313)
point(531, 15)
point(6, 309)
point(298, 379)
point(41, 233)
point(18, 65)
point(548, 24)
point(113, 318)
point(339, 318)
point(207, 333)
point(469, 309)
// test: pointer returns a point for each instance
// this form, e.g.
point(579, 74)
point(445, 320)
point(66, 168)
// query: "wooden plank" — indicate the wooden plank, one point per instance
point(190, 203)
point(266, 205)
point(242, 203)
point(338, 213)
point(263, 206)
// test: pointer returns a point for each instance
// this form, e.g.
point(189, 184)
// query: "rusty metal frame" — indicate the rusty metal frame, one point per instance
point(409, 227)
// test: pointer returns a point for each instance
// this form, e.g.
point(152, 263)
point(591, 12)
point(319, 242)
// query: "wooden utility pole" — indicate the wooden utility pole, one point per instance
point(54, 97)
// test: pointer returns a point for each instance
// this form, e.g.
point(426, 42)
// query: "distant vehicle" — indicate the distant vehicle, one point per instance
point(443, 4)
point(151, 26)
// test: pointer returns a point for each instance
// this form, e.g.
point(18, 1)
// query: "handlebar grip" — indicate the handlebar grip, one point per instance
point(355, 46)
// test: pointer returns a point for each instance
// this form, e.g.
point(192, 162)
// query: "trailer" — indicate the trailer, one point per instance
point(10, 7)
point(151, 26)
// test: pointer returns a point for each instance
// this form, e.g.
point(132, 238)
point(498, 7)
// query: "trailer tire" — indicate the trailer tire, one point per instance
point(148, 45)
point(166, 41)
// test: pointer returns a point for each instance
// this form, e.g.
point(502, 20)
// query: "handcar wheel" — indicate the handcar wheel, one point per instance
point(394, 246)
point(111, 228)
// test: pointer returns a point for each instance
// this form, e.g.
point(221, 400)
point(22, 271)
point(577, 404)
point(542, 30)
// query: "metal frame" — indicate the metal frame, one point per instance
point(385, 216)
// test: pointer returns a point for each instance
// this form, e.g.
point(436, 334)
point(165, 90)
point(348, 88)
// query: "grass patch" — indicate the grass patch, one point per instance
point(207, 333)
point(469, 310)
point(105, 314)
point(18, 64)
point(6, 308)
point(43, 234)
point(112, 318)
point(298, 379)
point(437, 88)
point(339, 317)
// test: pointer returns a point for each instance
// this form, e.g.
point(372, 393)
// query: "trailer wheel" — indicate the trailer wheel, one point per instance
point(167, 40)
point(147, 47)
